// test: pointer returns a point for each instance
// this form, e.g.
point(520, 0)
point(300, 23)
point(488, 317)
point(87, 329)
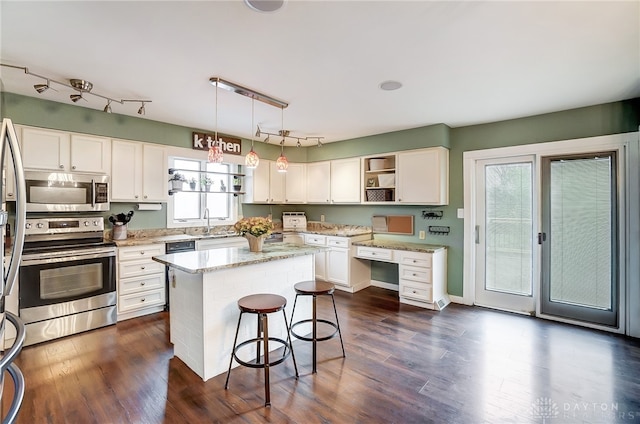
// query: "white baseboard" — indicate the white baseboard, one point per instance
point(384, 285)
point(459, 299)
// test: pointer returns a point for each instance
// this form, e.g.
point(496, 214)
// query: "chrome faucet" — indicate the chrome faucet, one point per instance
point(206, 216)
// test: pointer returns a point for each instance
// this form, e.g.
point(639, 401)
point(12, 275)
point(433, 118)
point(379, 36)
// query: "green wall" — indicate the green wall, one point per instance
point(610, 118)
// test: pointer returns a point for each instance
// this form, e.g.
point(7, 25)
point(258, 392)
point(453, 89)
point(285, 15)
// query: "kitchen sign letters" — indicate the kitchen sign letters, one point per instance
point(230, 145)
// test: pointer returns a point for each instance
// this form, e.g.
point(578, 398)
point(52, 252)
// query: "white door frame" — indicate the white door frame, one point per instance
point(628, 178)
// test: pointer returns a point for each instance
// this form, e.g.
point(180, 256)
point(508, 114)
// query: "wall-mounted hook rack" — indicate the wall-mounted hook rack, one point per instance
point(439, 230)
point(432, 214)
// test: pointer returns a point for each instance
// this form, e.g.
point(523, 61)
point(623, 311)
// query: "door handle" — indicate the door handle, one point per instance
point(542, 237)
point(477, 234)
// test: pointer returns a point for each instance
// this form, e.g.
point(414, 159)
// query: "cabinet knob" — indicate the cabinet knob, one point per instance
point(9, 194)
point(143, 299)
point(142, 267)
point(61, 166)
point(414, 274)
point(414, 292)
point(73, 167)
point(142, 252)
point(145, 196)
point(136, 196)
point(143, 283)
point(414, 261)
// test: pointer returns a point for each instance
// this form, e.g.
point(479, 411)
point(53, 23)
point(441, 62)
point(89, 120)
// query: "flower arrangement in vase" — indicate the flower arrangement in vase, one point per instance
point(255, 230)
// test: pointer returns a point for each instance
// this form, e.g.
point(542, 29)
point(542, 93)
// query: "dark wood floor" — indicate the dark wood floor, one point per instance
point(403, 365)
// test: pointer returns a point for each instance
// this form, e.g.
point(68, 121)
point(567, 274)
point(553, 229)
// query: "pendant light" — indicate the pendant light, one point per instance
point(252, 160)
point(215, 150)
point(282, 163)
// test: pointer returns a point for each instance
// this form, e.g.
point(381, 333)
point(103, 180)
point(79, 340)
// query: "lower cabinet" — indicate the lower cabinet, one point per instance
point(141, 281)
point(338, 264)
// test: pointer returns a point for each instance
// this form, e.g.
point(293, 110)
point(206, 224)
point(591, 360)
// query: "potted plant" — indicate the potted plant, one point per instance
point(192, 183)
point(237, 185)
point(176, 180)
point(255, 230)
point(206, 182)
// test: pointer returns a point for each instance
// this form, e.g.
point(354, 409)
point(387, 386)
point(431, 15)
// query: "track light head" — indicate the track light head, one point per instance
point(41, 88)
point(107, 108)
point(258, 131)
point(298, 144)
point(75, 97)
point(141, 111)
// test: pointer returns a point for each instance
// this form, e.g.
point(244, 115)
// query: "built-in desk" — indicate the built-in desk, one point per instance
point(422, 269)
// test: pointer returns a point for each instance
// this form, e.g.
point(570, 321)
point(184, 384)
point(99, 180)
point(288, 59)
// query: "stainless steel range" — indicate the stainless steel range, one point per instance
point(67, 281)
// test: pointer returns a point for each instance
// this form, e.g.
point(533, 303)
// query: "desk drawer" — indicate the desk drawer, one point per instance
point(141, 300)
point(140, 252)
point(417, 291)
point(375, 253)
point(338, 242)
point(415, 259)
point(414, 273)
point(139, 268)
point(138, 284)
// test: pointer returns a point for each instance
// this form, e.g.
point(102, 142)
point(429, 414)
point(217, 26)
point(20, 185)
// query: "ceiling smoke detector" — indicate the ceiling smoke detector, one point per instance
point(265, 5)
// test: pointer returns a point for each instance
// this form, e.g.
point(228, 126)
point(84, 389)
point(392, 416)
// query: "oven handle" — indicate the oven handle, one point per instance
point(9, 132)
point(67, 258)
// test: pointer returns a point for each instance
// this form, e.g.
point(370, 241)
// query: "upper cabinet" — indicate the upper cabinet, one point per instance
point(139, 172)
point(414, 177)
point(61, 151)
point(319, 182)
point(266, 185)
point(345, 180)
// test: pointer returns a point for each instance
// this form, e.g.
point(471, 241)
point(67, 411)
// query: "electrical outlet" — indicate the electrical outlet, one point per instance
point(422, 235)
point(321, 218)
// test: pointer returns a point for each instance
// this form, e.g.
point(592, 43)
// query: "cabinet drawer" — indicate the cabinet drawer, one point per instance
point(140, 252)
point(141, 300)
point(139, 268)
point(415, 259)
point(417, 291)
point(414, 273)
point(338, 242)
point(315, 240)
point(375, 253)
point(138, 284)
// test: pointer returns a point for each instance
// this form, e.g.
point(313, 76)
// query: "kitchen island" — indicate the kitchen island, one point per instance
point(204, 288)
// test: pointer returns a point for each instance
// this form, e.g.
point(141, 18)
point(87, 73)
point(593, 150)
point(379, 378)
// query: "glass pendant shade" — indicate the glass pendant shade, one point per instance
point(282, 163)
point(215, 153)
point(251, 160)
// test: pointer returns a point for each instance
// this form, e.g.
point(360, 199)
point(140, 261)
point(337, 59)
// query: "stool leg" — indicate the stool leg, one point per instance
point(295, 366)
point(258, 333)
point(265, 332)
point(233, 351)
point(314, 335)
point(293, 311)
point(338, 324)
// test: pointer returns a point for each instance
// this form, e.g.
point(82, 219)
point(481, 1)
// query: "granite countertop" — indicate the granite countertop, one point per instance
point(339, 232)
point(204, 261)
point(134, 241)
point(400, 245)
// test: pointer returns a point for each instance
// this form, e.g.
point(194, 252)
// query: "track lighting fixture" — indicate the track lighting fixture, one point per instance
point(286, 135)
point(298, 144)
point(81, 86)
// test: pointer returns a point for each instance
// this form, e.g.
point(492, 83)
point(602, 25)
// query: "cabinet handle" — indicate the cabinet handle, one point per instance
point(9, 194)
point(61, 166)
point(145, 196)
point(73, 167)
point(414, 292)
point(142, 267)
point(414, 261)
point(143, 283)
point(135, 197)
point(414, 274)
point(143, 299)
point(142, 252)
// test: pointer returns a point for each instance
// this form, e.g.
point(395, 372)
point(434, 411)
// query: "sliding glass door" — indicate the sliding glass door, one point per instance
point(579, 238)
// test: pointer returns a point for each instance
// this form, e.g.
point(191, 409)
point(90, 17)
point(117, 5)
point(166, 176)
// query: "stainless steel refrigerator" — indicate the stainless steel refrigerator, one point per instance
point(10, 152)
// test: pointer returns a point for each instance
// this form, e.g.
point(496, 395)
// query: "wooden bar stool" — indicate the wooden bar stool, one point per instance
point(262, 305)
point(315, 289)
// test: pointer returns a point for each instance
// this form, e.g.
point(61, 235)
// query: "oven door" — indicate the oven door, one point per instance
point(63, 283)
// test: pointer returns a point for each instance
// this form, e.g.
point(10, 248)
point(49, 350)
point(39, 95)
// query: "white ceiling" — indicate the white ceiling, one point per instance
point(460, 63)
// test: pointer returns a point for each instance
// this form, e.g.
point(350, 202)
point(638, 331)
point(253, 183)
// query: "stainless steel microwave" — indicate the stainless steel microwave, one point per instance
point(66, 192)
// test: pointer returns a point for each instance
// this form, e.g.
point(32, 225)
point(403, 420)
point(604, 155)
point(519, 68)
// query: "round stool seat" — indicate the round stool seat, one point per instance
point(314, 287)
point(262, 303)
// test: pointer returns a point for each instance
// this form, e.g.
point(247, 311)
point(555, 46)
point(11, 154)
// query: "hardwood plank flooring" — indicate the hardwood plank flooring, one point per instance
point(404, 365)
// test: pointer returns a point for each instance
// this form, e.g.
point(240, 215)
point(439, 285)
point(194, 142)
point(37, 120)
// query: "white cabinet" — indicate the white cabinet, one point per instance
point(61, 151)
point(293, 238)
point(413, 177)
point(338, 264)
point(423, 177)
point(296, 183)
point(345, 180)
point(422, 278)
point(320, 257)
point(139, 172)
point(267, 185)
point(319, 182)
point(141, 281)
